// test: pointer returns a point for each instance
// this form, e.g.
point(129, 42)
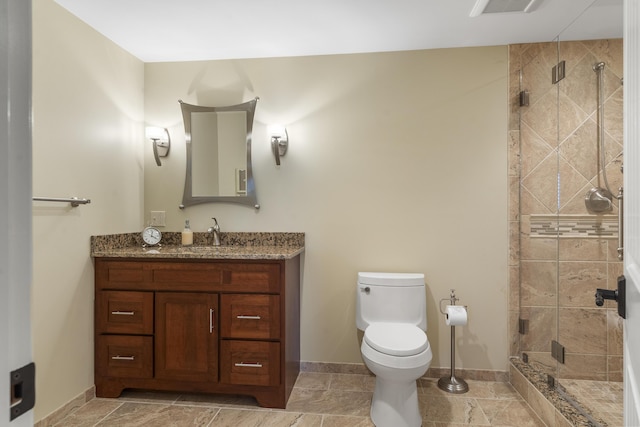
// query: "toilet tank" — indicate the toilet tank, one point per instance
point(391, 297)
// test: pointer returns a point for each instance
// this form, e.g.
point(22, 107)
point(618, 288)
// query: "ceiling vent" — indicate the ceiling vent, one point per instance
point(501, 6)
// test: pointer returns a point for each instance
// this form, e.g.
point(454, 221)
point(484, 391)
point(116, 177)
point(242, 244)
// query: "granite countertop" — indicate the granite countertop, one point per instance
point(233, 246)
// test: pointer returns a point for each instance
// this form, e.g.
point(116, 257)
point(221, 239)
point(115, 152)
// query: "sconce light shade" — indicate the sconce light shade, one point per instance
point(161, 142)
point(279, 141)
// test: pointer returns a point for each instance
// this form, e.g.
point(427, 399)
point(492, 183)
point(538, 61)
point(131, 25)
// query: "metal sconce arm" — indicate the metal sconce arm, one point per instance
point(161, 143)
point(279, 144)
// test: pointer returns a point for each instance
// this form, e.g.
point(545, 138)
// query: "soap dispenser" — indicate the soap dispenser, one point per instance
point(187, 235)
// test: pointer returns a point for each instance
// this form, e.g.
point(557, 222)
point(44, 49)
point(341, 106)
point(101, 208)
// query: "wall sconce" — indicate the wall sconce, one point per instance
point(279, 141)
point(161, 142)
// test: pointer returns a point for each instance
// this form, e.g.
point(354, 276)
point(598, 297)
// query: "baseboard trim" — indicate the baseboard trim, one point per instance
point(361, 369)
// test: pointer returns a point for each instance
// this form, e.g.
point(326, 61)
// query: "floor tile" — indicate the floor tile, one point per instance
point(318, 400)
point(149, 396)
point(217, 400)
point(452, 409)
point(314, 380)
point(91, 413)
point(131, 414)
point(603, 399)
point(346, 421)
point(333, 402)
point(248, 418)
point(509, 413)
point(352, 382)
point(477, 389)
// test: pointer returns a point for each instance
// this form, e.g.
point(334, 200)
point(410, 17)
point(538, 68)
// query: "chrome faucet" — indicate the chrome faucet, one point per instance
point(215, 230)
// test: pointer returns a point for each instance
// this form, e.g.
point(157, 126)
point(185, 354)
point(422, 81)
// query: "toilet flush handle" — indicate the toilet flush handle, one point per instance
point(366, 289)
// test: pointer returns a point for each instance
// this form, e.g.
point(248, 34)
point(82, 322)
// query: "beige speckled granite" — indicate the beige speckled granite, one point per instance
point(233, 246)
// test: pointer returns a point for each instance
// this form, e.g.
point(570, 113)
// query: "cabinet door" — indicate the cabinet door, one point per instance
point(186, 339)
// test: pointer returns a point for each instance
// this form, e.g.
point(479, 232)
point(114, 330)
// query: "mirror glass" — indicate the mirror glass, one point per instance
point(218, 141)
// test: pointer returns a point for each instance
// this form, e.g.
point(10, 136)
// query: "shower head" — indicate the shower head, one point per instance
point(598, 200)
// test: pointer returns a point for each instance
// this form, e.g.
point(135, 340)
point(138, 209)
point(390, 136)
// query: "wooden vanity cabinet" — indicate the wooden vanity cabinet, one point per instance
point(212, 326)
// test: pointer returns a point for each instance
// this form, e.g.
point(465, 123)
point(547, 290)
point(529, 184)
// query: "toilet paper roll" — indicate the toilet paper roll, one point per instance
point(456, 315)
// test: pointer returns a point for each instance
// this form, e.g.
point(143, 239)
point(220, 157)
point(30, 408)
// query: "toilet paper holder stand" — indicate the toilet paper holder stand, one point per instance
point(451, 383)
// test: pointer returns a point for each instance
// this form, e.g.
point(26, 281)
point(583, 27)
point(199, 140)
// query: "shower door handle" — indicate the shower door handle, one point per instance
point(620, 198)
point(619, 295)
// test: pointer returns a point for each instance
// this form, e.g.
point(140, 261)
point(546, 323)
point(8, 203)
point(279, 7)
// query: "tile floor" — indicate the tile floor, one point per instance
point(318, 400)
point(602, 399)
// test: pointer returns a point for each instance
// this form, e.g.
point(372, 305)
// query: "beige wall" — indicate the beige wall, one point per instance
point(87, 142)
point(397, 162)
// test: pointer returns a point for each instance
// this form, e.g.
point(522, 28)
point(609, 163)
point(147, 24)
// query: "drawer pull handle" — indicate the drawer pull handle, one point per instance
point(249, 365)
point(123, 313)
point(211, 320)
point(123, 357)
point(241, 316)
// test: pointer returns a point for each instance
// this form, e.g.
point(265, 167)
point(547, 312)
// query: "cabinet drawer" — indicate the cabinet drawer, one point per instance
point(124, 356)
point(250, 362)
point(259, 277)
point(122, 312)
point(250, 316)
point(186, 276)
point(121, 275)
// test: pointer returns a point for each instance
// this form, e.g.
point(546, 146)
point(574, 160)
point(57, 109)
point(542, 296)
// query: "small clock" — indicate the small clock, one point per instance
point(151, 236)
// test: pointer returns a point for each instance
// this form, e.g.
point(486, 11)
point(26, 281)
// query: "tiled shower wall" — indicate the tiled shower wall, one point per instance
point(553, 162)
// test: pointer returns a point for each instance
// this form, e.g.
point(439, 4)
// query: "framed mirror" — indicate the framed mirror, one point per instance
point(218, 141)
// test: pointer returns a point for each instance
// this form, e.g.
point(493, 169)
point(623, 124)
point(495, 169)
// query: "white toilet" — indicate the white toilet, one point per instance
point(391, 309)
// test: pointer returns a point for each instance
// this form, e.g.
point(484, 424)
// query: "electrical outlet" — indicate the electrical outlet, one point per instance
point(158, 219)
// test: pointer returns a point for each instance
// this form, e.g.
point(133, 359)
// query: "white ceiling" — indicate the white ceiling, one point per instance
point(183, 30)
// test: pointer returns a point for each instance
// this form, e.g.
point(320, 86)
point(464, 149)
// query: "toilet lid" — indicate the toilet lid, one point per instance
point(396, 339)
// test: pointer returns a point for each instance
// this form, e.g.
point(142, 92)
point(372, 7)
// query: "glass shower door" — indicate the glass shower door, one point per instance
point(538, 206)
point(590, 155)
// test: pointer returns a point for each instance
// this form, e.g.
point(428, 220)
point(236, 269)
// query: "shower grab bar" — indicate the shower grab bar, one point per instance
point(75, 202)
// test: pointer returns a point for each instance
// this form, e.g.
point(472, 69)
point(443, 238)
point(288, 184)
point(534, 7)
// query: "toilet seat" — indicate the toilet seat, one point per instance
point(396, 339)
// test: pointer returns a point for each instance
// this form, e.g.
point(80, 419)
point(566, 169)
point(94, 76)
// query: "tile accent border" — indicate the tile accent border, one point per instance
point(574, 226)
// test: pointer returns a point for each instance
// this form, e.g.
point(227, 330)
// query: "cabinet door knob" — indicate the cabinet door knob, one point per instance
point(211, 320)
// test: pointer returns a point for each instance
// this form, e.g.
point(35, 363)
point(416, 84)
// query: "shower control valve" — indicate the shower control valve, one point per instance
point(603, 294)
point(618, 295)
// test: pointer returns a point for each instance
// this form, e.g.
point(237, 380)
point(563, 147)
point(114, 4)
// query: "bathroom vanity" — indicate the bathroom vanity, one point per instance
point(199, 319)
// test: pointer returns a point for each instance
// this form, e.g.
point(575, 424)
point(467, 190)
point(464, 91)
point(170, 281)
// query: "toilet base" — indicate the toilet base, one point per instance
point(395, 404)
